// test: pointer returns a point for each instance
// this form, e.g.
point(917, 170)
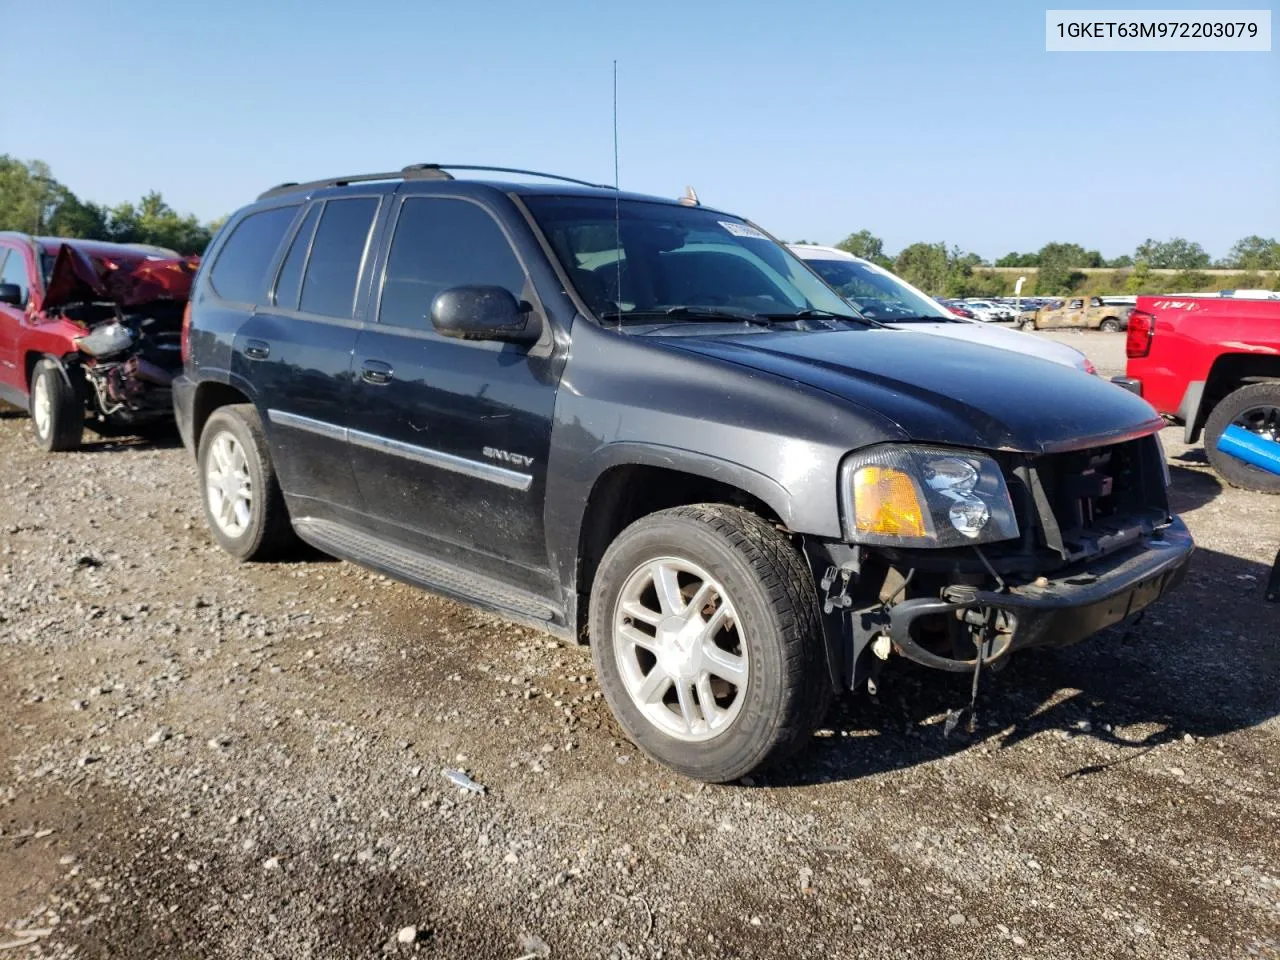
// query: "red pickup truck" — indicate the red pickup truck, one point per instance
point(89, 332)
point(1212, 363)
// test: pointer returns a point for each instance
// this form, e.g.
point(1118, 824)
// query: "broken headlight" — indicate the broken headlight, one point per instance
point(106, 339)
point(909, 496)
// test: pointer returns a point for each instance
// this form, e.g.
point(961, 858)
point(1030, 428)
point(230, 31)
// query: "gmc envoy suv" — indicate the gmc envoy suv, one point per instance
point(646, 425)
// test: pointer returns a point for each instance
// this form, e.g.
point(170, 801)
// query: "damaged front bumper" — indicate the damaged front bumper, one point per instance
point(1052, 611)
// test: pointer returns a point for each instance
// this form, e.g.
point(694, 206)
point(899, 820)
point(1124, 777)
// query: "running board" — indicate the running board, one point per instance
point(420, 570)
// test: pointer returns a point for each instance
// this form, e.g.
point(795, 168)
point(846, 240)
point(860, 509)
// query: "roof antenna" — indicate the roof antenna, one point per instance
point(617, 204)
point(690, 198)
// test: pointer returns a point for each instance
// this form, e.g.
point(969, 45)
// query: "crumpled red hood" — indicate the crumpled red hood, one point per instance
point(129, 281)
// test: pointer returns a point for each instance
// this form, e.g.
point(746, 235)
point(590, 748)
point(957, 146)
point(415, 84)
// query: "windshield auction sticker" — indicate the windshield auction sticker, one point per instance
point(742, 230)
point(1152, 31)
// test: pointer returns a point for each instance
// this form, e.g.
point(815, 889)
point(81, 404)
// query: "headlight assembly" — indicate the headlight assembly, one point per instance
point(899, 495)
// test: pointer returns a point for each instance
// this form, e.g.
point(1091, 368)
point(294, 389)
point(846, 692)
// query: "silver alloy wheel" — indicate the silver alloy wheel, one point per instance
point(42, 406)
point(680, 650)
point(228, 485)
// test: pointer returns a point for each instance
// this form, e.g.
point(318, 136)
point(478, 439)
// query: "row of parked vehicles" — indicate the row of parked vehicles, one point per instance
point(748, 476)
point(1109, 314)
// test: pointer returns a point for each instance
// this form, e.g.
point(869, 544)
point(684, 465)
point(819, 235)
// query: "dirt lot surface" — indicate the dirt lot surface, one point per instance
point(203, 759)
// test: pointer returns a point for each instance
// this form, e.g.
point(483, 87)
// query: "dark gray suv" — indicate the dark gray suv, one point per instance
point(646, 425)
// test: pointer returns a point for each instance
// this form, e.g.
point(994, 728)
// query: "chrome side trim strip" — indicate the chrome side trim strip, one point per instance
point(319, 427)
point(432, 458)
point(445, 461)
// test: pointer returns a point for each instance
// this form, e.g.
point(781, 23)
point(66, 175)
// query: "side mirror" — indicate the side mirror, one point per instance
point(482, 313)
point(11, 294)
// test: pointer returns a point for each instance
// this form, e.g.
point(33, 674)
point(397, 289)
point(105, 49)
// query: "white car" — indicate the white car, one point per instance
point(888, 299)
point(988, 312)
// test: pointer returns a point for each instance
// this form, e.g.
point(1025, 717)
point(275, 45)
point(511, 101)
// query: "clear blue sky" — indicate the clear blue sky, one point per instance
point(919, 121)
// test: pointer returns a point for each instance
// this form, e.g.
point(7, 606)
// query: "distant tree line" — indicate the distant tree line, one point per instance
point(32, 201)
point(1058, 267)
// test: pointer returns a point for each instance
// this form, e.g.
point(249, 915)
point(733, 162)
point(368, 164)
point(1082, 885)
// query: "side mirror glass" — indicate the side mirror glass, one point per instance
point(482, 313)
point(11, 294)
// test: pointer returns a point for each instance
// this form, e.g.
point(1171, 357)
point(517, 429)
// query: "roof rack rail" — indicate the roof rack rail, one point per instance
point(418, 171)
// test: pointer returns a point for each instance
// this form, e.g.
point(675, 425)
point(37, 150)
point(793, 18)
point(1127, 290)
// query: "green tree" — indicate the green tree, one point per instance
point(154, 222)
point(1018, 260)
point(72, 218)
point(1175, 254)
point(28, 195)
point(1254, 253)
point(1124, 260)
point(1139, 280)
point(866, 245)
point(1059, 267)
point(923, 265)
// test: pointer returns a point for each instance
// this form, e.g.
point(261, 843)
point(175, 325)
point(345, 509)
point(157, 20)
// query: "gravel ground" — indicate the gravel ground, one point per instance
point(203, 759)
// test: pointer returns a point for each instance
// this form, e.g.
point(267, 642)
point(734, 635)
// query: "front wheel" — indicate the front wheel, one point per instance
point(1255, 408)
point(706, 639)
point(57, 413)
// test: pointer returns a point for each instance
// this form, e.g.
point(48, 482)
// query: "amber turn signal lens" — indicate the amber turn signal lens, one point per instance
point(885, 502)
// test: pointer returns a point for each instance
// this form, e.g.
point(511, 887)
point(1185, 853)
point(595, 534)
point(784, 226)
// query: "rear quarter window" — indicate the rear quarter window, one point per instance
point(242, 270)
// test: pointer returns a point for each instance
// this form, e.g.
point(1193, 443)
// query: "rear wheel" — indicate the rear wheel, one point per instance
point(707, 643)
point(57, 413)
point(1255, 408)
point(1109, 325)
point(242, 499)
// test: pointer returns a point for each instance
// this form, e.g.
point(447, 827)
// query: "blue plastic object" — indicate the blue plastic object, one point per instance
point(1252, 449)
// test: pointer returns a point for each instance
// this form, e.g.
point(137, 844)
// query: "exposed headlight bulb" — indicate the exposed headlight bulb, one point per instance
point(969, 515)
point(951, 475)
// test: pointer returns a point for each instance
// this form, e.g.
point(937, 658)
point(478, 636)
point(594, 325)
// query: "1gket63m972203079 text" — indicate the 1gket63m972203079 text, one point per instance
point(1139, 31)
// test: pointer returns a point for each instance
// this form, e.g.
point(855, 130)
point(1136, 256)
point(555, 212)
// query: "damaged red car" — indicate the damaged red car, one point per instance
point(90, 334)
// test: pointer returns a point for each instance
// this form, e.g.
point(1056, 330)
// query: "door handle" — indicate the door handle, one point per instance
point(376, 372)
point(257, 349)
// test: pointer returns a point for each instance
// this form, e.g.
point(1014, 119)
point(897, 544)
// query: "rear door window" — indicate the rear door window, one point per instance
point(290, 279)
point(337, 255)
point(242, 271)
point(441, 243)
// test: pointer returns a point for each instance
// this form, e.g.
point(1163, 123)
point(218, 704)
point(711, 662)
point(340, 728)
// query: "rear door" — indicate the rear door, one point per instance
point(296, 351)
point(449, 438)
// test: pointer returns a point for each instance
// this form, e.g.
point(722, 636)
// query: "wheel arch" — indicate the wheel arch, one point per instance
point(1229, 373)
point(643, 480)
point(209, 396)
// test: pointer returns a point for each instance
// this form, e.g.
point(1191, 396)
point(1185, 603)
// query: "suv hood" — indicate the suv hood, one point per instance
point(1000, 337)
point(128, 281)
point(952, 393)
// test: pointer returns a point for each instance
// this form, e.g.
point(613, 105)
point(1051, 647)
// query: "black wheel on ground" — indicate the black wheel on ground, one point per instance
point(242, 499)
point(707, 643)
point(1109, 325)
point(1255, 408)
point(57, 412)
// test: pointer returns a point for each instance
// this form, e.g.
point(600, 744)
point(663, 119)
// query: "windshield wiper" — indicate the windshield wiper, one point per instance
point(708, 314)
point(920, 318)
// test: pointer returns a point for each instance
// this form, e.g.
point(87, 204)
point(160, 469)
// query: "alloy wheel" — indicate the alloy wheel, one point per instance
point(680, 649)
point(42, 406)
point(229, 486)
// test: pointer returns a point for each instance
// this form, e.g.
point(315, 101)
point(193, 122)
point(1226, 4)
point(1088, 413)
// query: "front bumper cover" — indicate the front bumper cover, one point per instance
point(1062, 610)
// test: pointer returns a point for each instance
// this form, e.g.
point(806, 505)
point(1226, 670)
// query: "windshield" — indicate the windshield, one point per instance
point(878, 294)
point(659, 260)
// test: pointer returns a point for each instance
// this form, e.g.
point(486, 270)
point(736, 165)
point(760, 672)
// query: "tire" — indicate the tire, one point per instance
point(771, 634)
point(57, 412)
point(250, 522)
point(1109, 325)
point(1233, 405)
